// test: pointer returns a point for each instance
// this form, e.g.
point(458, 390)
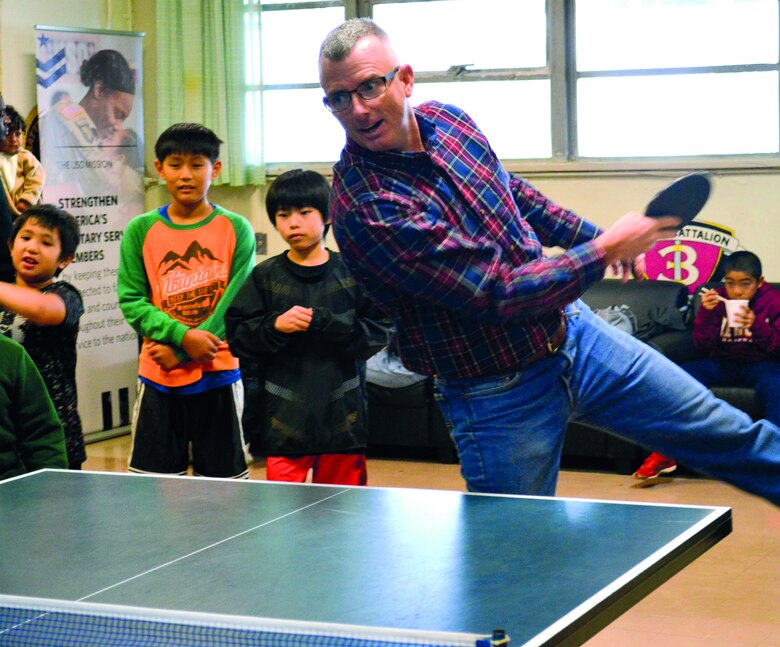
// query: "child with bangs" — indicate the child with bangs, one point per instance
point(43, 313)
point(304, 330)
point(180, 266)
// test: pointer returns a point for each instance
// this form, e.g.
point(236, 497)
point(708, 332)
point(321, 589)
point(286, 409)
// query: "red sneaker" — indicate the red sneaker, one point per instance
point(654, 466)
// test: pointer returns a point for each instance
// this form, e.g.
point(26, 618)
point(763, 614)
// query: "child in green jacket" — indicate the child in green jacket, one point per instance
point(31, 435)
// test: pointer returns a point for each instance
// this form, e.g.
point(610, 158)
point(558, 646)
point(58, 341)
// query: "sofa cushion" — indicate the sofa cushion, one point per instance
point(653, 303)
point(658, 307)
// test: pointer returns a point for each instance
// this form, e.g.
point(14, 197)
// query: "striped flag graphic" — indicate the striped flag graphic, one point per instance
point(51, 69)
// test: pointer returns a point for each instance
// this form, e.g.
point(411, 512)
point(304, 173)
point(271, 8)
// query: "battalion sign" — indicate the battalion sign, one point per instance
point(693, 257)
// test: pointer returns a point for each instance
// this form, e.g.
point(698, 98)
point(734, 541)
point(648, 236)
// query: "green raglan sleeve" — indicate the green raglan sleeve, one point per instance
point(133, 288)
point(240, 267)
point(40, 439)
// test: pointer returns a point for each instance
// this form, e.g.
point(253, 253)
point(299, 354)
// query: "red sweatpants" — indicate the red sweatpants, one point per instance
point(333, 469)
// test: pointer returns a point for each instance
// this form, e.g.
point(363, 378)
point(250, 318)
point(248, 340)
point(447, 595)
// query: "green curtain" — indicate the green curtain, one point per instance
point(201, 77)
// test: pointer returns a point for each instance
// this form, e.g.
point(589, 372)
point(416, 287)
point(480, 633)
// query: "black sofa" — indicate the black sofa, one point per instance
point(648, 300)
point(660, 308)
point(680, 349)
point(407, 421)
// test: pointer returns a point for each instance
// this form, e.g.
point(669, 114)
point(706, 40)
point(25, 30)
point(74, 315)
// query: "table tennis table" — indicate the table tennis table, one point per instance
point(119, 559)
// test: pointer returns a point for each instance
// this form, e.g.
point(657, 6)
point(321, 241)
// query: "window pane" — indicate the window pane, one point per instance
point(641, 34)
point(489, 34)
point(513, 115)
point(686, 114)
point(298, 128)
point(254, 3)
point(291, 43)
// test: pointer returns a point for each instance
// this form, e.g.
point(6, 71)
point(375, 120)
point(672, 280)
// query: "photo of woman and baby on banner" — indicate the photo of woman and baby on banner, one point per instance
point(91, 143)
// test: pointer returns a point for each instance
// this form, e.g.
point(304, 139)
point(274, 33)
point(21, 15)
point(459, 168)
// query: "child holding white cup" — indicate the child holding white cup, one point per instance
point(737, 329)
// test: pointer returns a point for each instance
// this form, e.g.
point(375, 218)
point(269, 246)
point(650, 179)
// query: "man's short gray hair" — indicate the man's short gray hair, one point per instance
point(340, 42)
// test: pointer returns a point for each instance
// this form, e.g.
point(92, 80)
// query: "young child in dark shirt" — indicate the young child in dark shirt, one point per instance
point(306, 329)
point(42, 313)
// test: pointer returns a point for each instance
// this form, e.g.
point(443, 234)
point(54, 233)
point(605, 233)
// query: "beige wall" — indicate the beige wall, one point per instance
point(17, 36)
point(746, 202)
point(745, 199)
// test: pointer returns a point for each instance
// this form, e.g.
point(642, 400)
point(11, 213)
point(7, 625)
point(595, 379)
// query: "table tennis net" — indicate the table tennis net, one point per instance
point(43, 623)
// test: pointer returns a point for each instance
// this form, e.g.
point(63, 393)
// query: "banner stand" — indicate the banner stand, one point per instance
point(90, 104)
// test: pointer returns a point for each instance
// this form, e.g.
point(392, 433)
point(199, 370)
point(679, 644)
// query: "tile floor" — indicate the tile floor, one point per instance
point(729, 597)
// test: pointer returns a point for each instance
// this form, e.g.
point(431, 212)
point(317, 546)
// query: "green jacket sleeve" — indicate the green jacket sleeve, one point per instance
point(133, 288)
point(30, 416)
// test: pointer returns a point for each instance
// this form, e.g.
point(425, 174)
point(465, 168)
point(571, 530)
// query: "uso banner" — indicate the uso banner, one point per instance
point(90, 126)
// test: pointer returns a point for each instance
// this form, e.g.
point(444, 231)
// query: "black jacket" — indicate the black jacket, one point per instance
point(305, 390)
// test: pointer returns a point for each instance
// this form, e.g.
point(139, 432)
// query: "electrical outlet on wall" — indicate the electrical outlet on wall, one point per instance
point(261, 243)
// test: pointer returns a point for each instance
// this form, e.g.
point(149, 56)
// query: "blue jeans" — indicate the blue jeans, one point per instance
point(509, 428)
point(764, 377)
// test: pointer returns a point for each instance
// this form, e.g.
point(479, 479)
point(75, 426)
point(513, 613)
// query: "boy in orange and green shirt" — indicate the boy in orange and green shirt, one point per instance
point(180, 267)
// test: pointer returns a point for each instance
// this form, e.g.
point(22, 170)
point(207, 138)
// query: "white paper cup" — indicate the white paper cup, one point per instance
point(735, 307)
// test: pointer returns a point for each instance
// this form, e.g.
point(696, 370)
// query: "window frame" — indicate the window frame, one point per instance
point(563, 75)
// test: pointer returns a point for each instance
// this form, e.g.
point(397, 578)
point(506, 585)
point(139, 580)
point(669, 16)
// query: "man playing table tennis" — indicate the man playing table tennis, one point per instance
point(450, 245)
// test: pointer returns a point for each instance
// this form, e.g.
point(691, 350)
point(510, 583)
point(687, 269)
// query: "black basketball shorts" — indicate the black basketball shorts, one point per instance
point(165, 425)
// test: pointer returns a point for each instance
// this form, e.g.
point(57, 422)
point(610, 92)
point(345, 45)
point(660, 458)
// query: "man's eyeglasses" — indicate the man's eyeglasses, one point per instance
point(370, 89)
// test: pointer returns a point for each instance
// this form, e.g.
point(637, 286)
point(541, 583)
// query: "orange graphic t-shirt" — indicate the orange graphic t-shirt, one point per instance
point(176, 277)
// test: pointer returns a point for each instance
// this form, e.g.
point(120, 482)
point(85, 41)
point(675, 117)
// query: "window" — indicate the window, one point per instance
point(544, 79)
point(487, 57)
point(284, 88)
point(676, 77)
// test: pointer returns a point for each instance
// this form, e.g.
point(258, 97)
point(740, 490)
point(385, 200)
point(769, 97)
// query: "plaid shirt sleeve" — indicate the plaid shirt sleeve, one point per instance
point(423, 256)
point(452, 246)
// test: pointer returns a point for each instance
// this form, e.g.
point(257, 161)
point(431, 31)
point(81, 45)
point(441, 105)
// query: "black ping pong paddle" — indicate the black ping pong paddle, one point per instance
point(683, 198)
